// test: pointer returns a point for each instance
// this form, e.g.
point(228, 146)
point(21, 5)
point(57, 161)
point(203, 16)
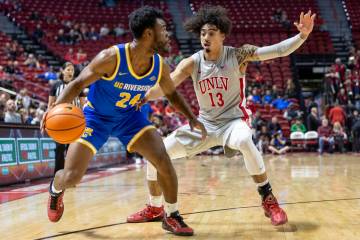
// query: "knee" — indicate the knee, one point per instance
point(244, 141)
point(72, 177)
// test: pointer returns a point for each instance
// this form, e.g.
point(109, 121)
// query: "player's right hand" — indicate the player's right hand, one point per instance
point(141, 102)
point(194, 123)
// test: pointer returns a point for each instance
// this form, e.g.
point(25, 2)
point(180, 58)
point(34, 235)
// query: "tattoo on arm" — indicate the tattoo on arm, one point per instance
point(246, 53)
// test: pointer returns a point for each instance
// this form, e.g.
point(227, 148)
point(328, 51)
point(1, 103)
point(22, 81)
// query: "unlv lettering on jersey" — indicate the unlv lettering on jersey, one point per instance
point(213, 83)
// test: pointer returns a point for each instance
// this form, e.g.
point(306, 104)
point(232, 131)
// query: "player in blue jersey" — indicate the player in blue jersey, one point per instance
point(118, 78)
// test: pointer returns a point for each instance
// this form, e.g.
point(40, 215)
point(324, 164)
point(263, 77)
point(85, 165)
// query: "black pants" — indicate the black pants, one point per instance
point(60, 152)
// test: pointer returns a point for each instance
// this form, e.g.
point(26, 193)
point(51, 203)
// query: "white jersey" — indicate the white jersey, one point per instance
point(220, 88)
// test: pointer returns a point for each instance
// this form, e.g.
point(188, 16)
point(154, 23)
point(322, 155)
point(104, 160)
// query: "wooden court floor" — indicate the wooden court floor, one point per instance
point(321, 195)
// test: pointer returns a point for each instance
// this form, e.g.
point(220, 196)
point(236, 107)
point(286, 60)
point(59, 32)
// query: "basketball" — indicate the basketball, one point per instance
point(65, 123)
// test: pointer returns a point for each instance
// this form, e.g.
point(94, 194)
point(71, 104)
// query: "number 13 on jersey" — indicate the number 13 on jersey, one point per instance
point(126, 100)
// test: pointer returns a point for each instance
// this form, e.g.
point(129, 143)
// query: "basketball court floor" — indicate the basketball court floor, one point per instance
point(321, 195)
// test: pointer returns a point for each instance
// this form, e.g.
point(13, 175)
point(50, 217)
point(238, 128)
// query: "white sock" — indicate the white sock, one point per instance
point(53, 189)
point(155, 201)
point(263, 183)
point(170, 208)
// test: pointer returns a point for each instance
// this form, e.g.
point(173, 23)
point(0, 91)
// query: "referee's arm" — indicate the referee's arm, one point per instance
point(52, 96)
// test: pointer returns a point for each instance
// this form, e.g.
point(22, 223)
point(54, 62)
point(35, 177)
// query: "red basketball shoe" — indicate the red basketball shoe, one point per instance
point(274, 211)
point(55, 207)
point(148, 214)
point(176, 225)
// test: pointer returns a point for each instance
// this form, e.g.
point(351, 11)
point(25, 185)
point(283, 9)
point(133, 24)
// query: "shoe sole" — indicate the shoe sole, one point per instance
point(276, 224)
point(157, 219)
point(167, 228)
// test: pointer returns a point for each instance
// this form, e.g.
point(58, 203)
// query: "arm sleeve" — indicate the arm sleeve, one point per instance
point(281, 49)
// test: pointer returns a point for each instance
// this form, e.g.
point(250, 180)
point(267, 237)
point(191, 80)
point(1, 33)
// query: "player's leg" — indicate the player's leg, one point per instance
point(151, 146)
point(273, 150)
point(154, 210)
point(240, 138)
point(76, 163)
point(77, 159)
point(59, 157)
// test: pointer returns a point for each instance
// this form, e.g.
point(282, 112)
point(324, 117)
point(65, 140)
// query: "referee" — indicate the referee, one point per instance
point(67, 74)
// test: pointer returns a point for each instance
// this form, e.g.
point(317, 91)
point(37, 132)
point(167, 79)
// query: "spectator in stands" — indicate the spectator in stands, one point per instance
point(31, 61)
point(80, 57)
point(337, 114)
point(342, 97)
point(298, 126)
point(23, 100)
point(262, 139)
point(70, 55)
point(340, 68)
point(104, 30)
point(274, 125)
point(4, 97)
point(292, 112)
point(61, 37)
point(84, 31)
point(278, 144)
point(3, 74)
point(11, 116)
point(93, 35)
point(74, 37)
point(255, 96)
point(9, 68)
point(50, 75)
point(257, 121)
point(313, 121)
point(119, 30)
point(290, 91)
point(38, 116)
point(280, 103)
point(267, 99)
point(339, 136)
point(325, 136)
point(38, 33)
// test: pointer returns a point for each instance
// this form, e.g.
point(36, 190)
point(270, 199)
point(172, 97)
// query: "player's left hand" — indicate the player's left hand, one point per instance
point(306, 23)
point(194, 123)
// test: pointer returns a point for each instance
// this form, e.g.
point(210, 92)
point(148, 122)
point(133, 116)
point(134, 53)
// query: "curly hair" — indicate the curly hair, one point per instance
point(143, 18)
point(214, 15)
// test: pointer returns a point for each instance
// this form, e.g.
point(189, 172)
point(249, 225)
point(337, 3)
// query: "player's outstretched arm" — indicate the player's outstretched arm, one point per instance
point(182, 72)
point(168, 88)
point(305, 26)
point(104, 64)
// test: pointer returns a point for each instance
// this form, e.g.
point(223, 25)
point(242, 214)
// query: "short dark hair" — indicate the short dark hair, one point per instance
point(143, 18)
point(214, 15)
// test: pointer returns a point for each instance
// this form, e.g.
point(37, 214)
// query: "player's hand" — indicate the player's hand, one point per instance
point(42, 123)
point(306, 23)
point(194, 123)
point(141, 102)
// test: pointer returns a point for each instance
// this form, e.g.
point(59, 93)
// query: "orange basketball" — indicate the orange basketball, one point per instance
point(65, 123)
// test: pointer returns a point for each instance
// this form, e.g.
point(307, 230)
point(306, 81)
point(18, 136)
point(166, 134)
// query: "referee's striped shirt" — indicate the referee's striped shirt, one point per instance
point(58, 87)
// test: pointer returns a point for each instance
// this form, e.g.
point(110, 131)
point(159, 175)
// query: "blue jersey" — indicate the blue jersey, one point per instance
point(111, 108)
point(120, 92)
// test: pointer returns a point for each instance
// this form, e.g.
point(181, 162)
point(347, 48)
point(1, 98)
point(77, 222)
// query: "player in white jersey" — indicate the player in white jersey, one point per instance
point(218, 74)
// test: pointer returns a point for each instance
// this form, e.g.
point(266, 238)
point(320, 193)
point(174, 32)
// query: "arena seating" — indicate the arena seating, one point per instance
point(352, 8)
point(89, 12)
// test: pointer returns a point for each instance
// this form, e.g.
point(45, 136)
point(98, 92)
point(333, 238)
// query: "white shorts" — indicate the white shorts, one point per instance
point(186, 143)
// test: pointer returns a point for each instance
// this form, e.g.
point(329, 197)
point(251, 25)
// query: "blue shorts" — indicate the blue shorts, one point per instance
point(127, 127)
